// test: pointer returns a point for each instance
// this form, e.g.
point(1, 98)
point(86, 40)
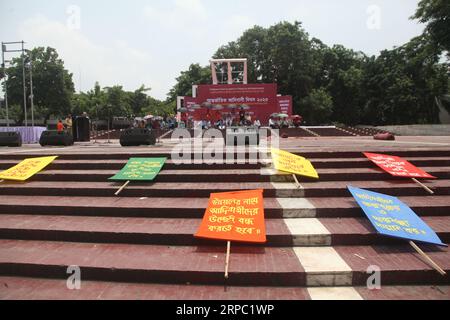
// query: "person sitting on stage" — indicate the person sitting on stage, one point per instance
point(257, 123)
point(273, 124)
point(297, 121)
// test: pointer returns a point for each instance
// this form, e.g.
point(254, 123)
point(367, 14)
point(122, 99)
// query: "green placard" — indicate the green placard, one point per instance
point(140, 169)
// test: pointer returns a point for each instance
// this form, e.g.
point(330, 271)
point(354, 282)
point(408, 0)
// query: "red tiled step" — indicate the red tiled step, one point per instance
point(119, 164)
point(398, 264)
point(169, 189)
point(16, 288)
point(394, 293)
point(119, 207)
point(164, 231)
point(347, 207)
point(252, 266)
point(363, 162)
point(97, 153)
point(135, 189)
point(233, 175)
point(345, 231)
point(228, 175)
point(404, 187)
point(193, 207)
point(362, 174)
point(359, 231)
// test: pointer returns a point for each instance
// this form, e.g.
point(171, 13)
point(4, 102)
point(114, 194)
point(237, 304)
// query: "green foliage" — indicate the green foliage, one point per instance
point(194, 75)
point(436, 14)
point(317, 107)
point(400, 86)
point(52, 84)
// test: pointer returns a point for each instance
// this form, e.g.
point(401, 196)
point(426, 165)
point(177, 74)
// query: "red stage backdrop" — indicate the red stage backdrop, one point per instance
point(261, 98)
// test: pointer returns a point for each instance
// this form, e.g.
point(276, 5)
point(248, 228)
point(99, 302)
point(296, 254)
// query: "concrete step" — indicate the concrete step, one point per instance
point(19, 288)
point(249, 266)
point(186, 189)
point(170, 231)
point(333, 207)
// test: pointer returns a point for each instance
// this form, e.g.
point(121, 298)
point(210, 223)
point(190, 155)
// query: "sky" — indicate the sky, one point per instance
point(137, 42)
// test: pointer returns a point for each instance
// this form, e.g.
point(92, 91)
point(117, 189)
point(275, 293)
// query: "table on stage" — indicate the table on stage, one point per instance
point(29, 134)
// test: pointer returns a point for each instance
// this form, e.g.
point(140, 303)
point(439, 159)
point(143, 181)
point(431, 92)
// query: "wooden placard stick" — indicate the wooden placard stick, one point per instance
point(227, 259)
point(428, 259)
point(296, 181)
point(423, 186)
point(121, 188)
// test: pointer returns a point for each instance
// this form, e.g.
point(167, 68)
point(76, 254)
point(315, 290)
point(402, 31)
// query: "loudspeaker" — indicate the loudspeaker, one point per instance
point(137, 137)
point(55, 138)
point(10, 139)
point(242, 136)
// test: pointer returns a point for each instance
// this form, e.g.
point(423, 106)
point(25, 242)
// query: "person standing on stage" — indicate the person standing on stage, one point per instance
point(68, 123)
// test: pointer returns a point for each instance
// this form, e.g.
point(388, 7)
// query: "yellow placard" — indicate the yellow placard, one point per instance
point(26, 169)
point(288, 162)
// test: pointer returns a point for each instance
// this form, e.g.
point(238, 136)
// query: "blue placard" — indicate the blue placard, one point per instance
point(393, 218)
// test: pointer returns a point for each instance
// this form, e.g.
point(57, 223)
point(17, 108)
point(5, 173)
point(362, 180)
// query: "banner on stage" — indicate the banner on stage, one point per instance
point(234, 216)
point(26, 169)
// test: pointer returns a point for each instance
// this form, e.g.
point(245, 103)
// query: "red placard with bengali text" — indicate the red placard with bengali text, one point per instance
point(397, 166)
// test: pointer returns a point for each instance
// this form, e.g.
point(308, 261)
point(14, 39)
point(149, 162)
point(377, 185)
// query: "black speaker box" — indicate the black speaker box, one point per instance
point(10, 139)
point(137, 137)
point(55, 138)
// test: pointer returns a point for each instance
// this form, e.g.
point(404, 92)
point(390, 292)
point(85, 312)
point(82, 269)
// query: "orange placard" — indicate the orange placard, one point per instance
point(234, 216)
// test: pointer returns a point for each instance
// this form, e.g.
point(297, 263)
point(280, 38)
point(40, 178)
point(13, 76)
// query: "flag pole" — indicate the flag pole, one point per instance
point(227, 259)
point(428, 259)
point(423, 186)
point(296, 181)
point(121, 188)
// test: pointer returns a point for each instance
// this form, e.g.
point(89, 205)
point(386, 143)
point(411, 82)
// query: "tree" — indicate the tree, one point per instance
point(399, 86)
point(139, 100)
point(402, 84)
point(52, 83)
point(436, 14)
point(194, 75)
point(317, 107)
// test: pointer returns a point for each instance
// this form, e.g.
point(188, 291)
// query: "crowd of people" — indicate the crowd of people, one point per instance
point(156, 123)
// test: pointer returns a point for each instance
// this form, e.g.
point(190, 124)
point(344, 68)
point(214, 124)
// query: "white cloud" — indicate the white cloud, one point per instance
point(183, 14)
point(117, 63)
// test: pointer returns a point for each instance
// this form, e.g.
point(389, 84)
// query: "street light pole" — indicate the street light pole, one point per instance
point(31, 89)
point(24, 87)
point(6, 84)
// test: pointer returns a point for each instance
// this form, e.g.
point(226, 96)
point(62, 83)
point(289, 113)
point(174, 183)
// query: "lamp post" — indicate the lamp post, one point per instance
point(24, 87)
point(6, 83)
point(30, 66)
point(22, 50)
